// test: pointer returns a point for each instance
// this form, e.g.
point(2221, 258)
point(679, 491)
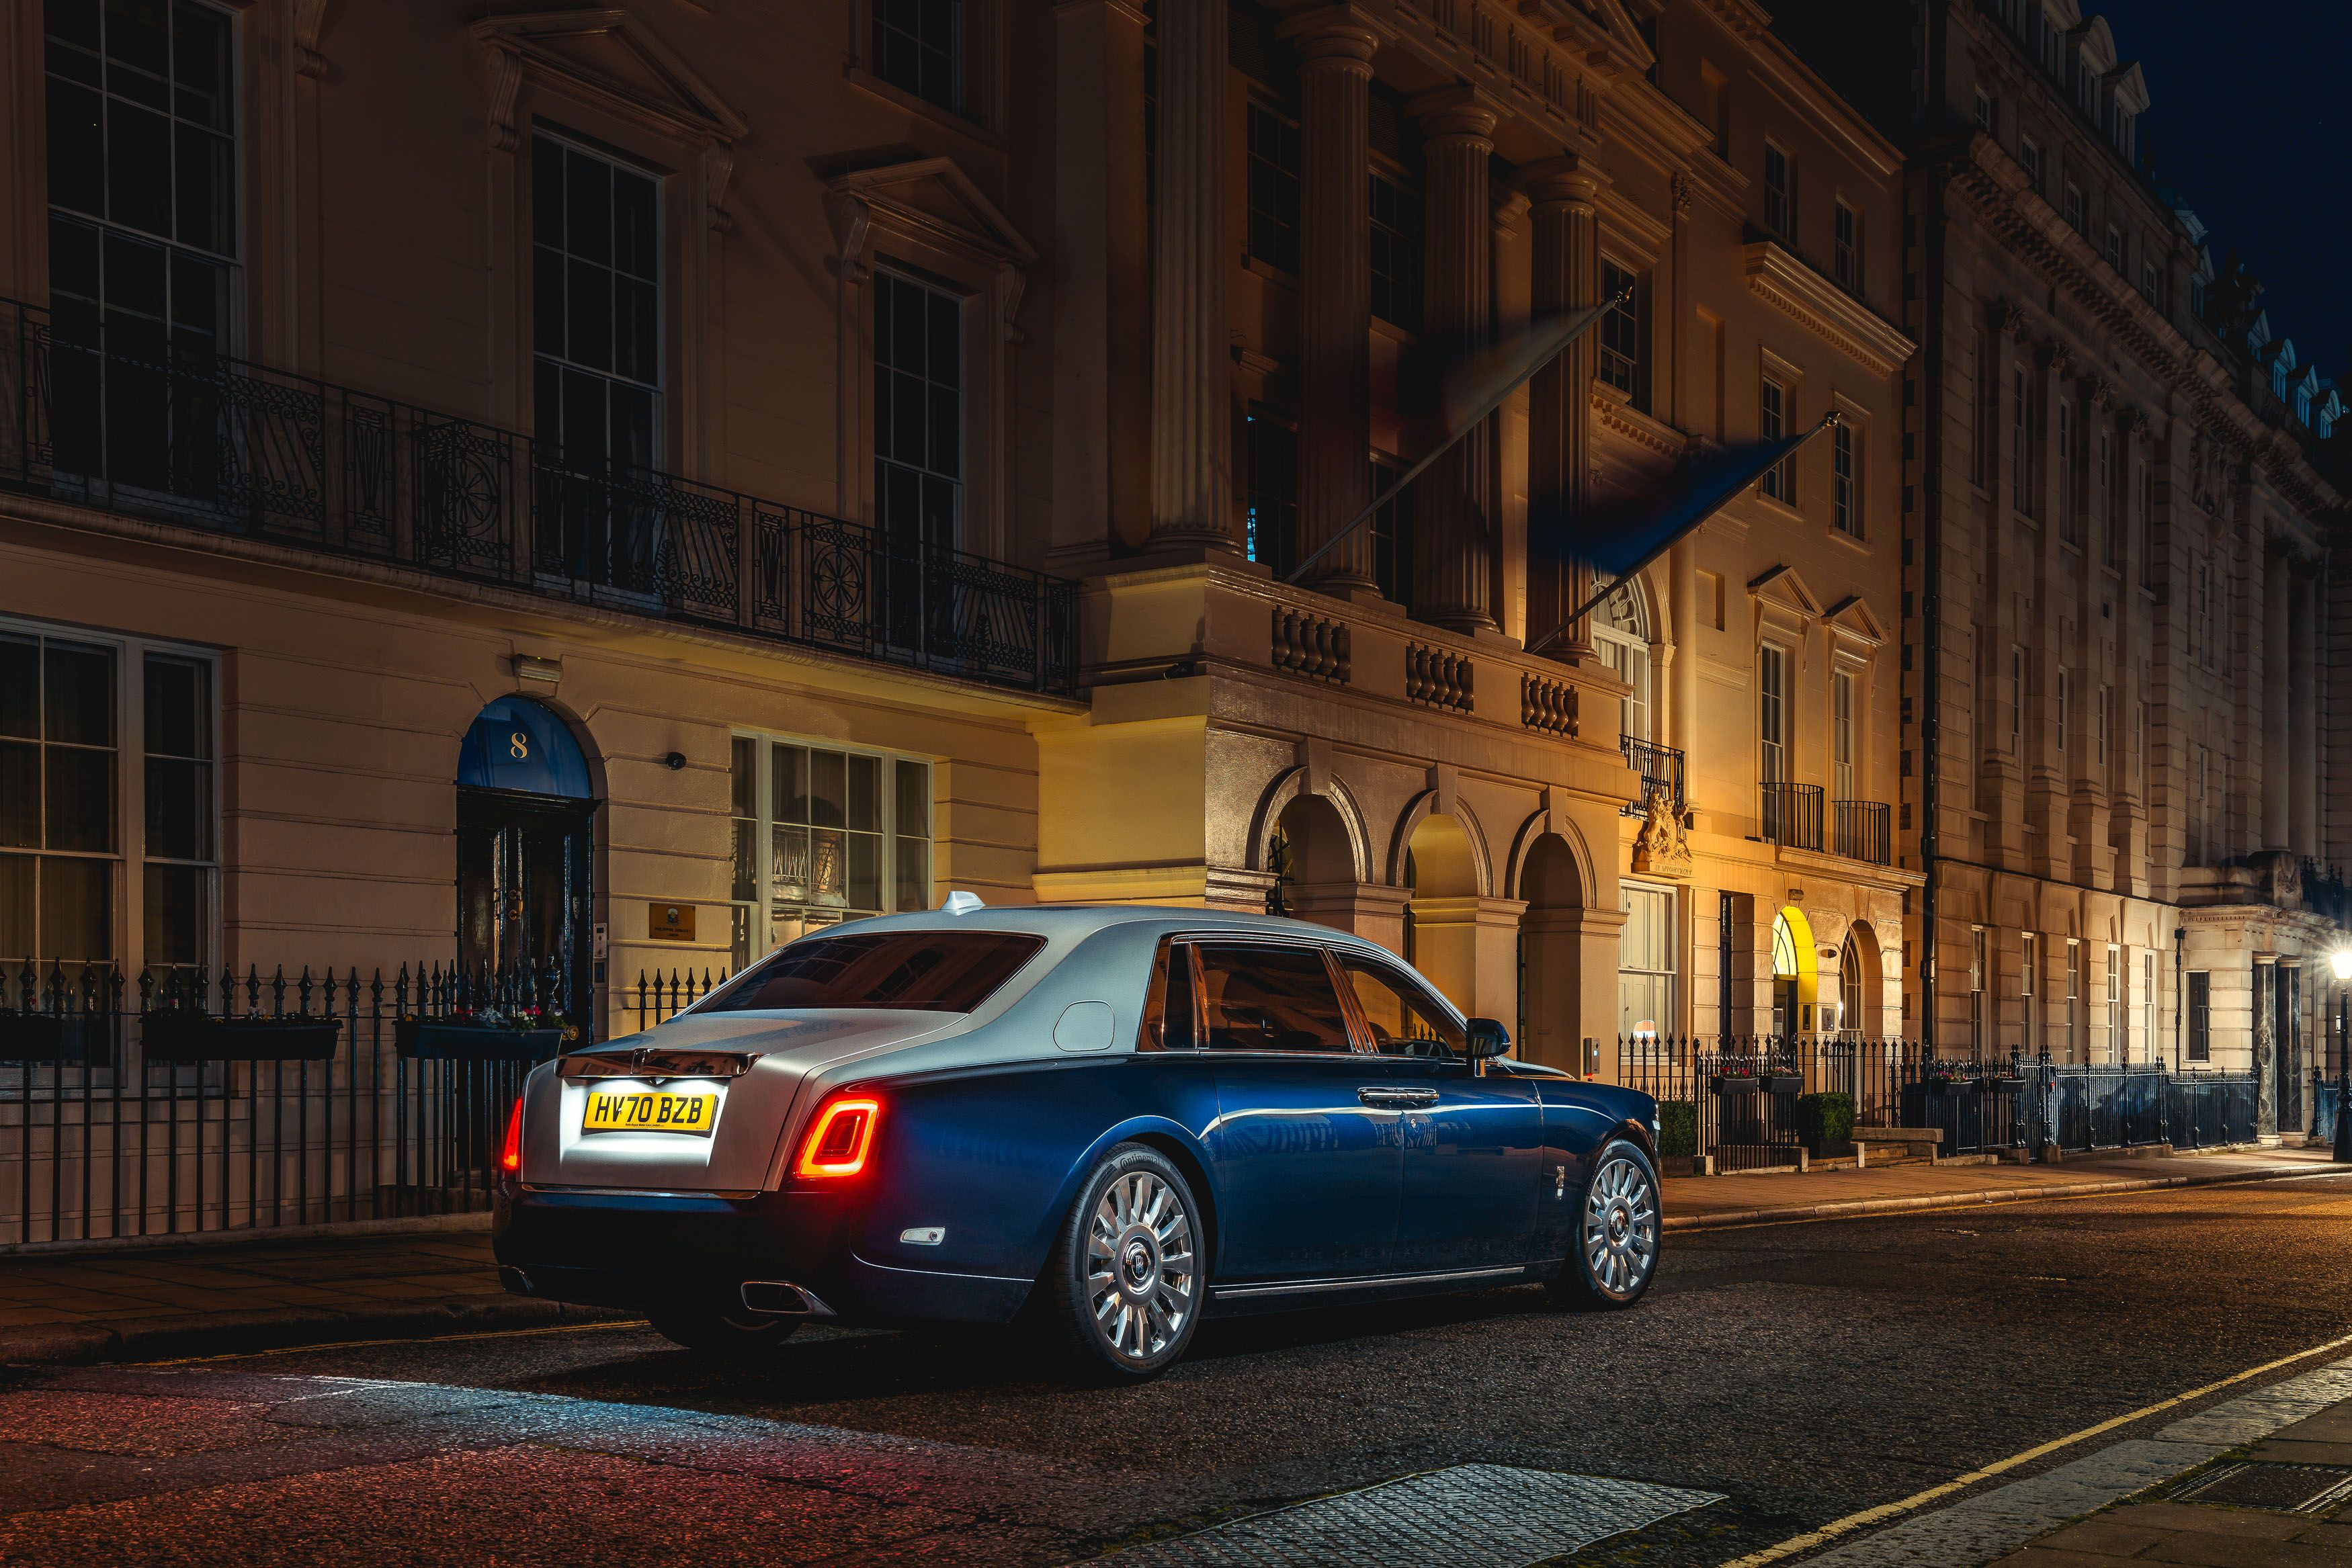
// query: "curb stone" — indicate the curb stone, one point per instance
point(1993, 1196)
point(225, 1333)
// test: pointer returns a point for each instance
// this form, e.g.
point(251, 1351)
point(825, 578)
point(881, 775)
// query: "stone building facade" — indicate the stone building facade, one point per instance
point(2118, 601)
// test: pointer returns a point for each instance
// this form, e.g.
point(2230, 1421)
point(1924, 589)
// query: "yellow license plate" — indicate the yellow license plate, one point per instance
point(650, 1110)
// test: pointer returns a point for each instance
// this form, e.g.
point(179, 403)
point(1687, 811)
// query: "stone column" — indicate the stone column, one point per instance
point(2303, 713)
point(1102, 317)
point(2277, 654)
point(1453, 543)
point(1192, 493)
point(1335, 48)
point(1560, 404)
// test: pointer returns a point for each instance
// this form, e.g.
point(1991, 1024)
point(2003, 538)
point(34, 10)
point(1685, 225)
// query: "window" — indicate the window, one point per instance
point(1842, 728)
point(1396, 253)
point(2151, 284)
point(2075, 219)
point(2073, 1001)
point(1272, 496)
point(105, 858)
point(2201, 1016)
point(1985, 112)
point(2099, 752)
point(1273, 188)
point(1405, 1019)
point(910, 971)
point(1779, 481)
point(2201, 611)
point(1392, 536)
point(1625, 342)
point(2147, 1004)
point(2029, 158)
point(917, 422)
point(918, 46)
point(1727, 931)
point(1645, 963)
point(2109, 511)
point(2139, 743)
point(596, 327)
point(2116, 1048)
point(1779, 193)
point(1771, 729)
point(2016, 696)
point(1845, 494)
point(2065, 684)
point(2147, 487)
point(143, 243)
point(1977, 1042)
point(1621, 633)
point(1267, 998)
point(1846, 256)
point(824, 835)
point(2070, 521)
point(2029, 960)
point(2021, 456)
point(1985, 431)
point(2198, 806)
point(2115, 249)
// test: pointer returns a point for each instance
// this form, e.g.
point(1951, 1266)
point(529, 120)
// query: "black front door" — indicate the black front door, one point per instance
point(524, 894)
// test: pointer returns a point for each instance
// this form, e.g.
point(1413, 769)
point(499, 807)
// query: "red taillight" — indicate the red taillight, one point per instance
point(839, 1139)
point(510, 1158)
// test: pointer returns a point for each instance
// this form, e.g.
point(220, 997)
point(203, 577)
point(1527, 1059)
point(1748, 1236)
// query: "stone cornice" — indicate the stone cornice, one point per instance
point(1617, 415)
point(1847, 324)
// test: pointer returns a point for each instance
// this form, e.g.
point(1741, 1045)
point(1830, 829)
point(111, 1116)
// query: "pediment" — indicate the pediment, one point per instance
point(608, 57)
point(1782, 587)
point(931, 198)
point(1851, 620)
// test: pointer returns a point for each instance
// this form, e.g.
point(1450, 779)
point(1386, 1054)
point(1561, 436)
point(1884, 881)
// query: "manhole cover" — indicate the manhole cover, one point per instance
point(1470, 1516)
point(2291, 1489)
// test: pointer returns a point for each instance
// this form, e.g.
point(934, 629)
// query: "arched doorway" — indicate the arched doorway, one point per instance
point(1796, 979)
point(526, 850)
point(1551, 969)
point(1858, 983)
point(1440, 923)
point(1311, 857)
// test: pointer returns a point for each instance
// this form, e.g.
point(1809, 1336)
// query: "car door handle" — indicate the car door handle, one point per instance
point(1387, 1097)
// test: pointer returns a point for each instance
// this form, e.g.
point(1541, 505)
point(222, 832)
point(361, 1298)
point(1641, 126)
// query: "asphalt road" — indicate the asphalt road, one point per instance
point(1805, 1371)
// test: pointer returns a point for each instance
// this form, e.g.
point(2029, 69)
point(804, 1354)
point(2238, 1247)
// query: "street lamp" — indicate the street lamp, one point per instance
point(2340, 962)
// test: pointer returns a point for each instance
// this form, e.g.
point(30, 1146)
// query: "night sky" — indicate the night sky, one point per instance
point(2241, 125)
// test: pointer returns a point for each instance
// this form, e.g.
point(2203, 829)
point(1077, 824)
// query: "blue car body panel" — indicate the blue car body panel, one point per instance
point(991, 1125)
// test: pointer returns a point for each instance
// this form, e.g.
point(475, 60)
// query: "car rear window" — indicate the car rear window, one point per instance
point(920, 971)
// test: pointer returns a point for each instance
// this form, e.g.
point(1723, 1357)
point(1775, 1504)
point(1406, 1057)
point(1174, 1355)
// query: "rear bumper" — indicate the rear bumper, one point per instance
point(634, 1250)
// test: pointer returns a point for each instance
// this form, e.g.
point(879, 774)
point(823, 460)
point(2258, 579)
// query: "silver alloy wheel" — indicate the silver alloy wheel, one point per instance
point(1140, 1279)
point(1621, 1225)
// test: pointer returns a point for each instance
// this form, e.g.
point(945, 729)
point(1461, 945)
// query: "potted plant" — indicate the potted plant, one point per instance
point(484, 1034)
point(187, 1035)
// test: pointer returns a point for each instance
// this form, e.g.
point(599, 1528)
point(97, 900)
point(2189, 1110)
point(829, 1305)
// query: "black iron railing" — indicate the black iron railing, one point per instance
point(144, 426)
point(1790, 815)
point(1661, 768)
point(1864, 830)
point(184, 1102)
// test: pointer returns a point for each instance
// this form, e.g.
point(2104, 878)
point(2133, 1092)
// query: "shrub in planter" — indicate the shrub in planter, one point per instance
point(1824, 1119)
point(1678, 1127)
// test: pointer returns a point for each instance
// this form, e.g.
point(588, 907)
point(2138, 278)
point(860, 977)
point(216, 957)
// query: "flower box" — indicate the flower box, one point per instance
point(443, 1039)
point(1783, 1082)
point(31, 1039)
point(184, 1037)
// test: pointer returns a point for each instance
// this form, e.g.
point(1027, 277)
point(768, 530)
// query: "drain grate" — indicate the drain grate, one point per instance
point(1469, 1516)
point(2291, 1488)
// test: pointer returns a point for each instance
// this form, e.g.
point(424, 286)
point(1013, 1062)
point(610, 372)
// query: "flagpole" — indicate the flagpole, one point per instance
point(1623, 297)
point(1642, 565)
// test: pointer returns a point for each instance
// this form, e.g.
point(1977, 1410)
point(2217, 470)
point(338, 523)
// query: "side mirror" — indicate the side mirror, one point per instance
point(1488, 1039)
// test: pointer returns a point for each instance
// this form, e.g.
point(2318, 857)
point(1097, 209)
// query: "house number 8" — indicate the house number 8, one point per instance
point(518, 746)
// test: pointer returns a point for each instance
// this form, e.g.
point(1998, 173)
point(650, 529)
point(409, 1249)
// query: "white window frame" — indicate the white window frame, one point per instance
point(1842, 735)
point(1668, 1016)
point(129, 937)
point(2074, 1000)
point(1771, 713)
point(2116, 1045)
point(1627, 655)
point(1977, 966)
point(2147, 1003)
point(760, 908)
point(2029, 960)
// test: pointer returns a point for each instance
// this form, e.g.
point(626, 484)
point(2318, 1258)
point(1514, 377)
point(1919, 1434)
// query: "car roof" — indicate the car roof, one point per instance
point(1079, 920)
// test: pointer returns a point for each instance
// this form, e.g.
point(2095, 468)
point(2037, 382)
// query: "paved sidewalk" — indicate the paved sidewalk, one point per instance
point(2262, 1507)
point(234, 1295)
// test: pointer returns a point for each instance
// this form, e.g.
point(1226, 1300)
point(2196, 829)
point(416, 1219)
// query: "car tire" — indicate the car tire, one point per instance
point(1123, 1288)
point(1616, 1231)
point(720, 1328)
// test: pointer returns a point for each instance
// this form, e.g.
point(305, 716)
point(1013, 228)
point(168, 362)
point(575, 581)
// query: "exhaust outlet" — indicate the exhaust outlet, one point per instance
point(779, 1298)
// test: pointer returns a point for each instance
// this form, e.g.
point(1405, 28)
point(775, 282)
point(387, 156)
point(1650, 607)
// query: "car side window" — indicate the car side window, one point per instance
point(1405, 1019)
point(1168, 1006)
point(1258, 998)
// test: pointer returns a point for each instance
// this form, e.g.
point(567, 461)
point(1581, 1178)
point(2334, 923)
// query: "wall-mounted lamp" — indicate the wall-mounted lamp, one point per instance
point(534, 670)
point(673, 761)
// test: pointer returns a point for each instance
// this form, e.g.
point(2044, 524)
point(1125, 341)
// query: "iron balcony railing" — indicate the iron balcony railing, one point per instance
point(1790, 815)
point(1661, 768)
point(1864, 830)
point(134, 421)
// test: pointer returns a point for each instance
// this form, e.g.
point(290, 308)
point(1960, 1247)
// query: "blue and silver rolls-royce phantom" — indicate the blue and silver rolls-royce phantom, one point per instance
point(1114, 1120)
